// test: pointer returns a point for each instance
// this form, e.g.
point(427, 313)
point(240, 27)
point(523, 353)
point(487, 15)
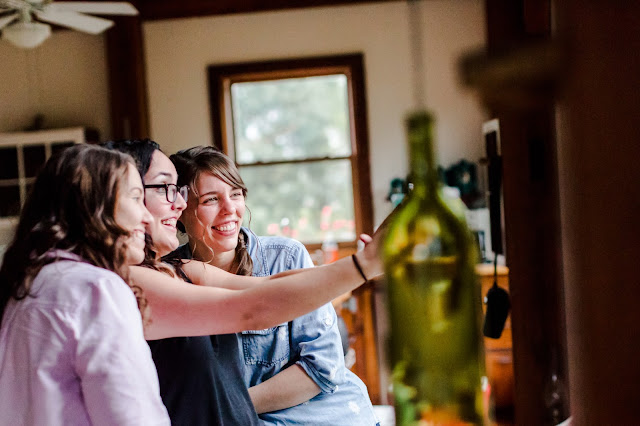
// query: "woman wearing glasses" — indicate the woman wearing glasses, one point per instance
point(211, 389)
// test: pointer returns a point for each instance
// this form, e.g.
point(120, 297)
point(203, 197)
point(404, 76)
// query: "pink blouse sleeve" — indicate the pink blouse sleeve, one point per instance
point(118, 378)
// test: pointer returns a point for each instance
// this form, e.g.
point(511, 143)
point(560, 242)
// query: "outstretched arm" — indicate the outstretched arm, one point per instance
point(211, 279)
point(181, 309)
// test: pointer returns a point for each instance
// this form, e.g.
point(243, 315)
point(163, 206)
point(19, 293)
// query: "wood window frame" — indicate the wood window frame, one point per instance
point(361, 319)
point(221, 77)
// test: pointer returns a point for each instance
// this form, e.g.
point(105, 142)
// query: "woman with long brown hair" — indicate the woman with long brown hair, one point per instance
point(71, 334)
point(295, 371)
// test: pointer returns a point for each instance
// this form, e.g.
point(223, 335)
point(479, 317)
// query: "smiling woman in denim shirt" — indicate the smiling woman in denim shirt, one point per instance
point(295, 371)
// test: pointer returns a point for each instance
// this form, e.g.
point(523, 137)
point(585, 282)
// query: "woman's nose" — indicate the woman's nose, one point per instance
point(180, 203)
point(147, 218)
point(227, 205)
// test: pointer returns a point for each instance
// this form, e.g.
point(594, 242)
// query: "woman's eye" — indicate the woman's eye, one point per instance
point(236, 194)
point(210, 200)
point(160, 191)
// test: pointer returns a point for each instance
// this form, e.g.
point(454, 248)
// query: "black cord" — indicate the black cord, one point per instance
point(495, 269)
point(358, 267)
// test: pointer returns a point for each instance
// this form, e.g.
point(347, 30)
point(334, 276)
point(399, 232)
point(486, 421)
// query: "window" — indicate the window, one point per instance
point(297, 130)
point(22, 155)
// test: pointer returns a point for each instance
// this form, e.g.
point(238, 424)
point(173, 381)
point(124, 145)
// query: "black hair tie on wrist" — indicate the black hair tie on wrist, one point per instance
point(358, 267)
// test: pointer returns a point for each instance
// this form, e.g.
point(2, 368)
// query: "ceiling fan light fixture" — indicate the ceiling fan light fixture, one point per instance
point(26, 35)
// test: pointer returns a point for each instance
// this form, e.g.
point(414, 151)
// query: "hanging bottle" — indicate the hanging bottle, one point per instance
point(434, 300)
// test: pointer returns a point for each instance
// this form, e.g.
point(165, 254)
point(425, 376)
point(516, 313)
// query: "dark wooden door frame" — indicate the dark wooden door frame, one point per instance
point(127, 79)
point(532, 224)
point(522, 98)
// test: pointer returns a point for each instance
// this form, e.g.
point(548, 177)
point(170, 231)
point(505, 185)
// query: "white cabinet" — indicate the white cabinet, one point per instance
point(22, 155)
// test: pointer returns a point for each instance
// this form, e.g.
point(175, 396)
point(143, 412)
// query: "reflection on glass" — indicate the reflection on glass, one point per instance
point(34, 158)
point(291, 119)
point(305, 201)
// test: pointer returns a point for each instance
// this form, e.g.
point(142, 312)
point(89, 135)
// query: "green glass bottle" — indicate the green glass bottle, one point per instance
point(434, 300)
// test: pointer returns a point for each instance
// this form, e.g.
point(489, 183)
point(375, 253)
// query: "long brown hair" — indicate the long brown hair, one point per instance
point(71, 208)
point(190, 164)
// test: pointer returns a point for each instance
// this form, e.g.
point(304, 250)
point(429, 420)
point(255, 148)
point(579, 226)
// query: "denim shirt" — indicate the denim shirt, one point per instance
point(312, 341)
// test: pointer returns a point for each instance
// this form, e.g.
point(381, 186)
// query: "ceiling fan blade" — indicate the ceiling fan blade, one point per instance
point(94, 8)
point(76, 21)
point(6, 20)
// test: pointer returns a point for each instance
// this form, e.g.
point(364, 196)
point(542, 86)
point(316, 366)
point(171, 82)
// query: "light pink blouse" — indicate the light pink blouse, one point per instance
point(75, 353)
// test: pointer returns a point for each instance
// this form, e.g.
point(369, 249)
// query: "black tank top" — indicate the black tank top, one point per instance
point(201, 380)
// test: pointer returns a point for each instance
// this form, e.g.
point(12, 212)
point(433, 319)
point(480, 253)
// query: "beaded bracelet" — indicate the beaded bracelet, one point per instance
point(358, 267)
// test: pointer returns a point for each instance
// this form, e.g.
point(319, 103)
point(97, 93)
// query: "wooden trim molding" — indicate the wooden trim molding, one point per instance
point(170, 9)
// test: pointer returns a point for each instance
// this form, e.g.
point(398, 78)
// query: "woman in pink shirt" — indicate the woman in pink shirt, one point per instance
point(72, 344)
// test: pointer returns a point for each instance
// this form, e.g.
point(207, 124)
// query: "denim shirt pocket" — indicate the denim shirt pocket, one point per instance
point(266, 347)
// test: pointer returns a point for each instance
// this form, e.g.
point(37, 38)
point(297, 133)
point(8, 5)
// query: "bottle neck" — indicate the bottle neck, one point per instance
point(424, 173)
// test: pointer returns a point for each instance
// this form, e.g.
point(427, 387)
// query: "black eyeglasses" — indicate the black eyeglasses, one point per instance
point(171, 191)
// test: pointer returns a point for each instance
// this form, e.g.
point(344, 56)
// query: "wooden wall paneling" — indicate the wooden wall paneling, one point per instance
point(599, 152)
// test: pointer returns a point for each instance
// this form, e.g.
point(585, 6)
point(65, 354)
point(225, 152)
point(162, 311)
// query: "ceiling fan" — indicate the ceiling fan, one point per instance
point(18, 25)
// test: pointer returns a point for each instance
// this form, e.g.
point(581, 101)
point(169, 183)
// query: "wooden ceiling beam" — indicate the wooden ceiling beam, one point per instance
point(168, 9)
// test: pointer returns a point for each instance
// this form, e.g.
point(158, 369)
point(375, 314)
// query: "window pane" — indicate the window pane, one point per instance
point(34, 158)
point(291, 119)
point(59, 146)
point(10, 196)
point(305, 201)
point(9, 163)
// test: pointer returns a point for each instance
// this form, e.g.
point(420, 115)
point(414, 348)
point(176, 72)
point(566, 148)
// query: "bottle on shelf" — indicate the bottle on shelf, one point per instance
point(434, 300)
point(329, 249)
